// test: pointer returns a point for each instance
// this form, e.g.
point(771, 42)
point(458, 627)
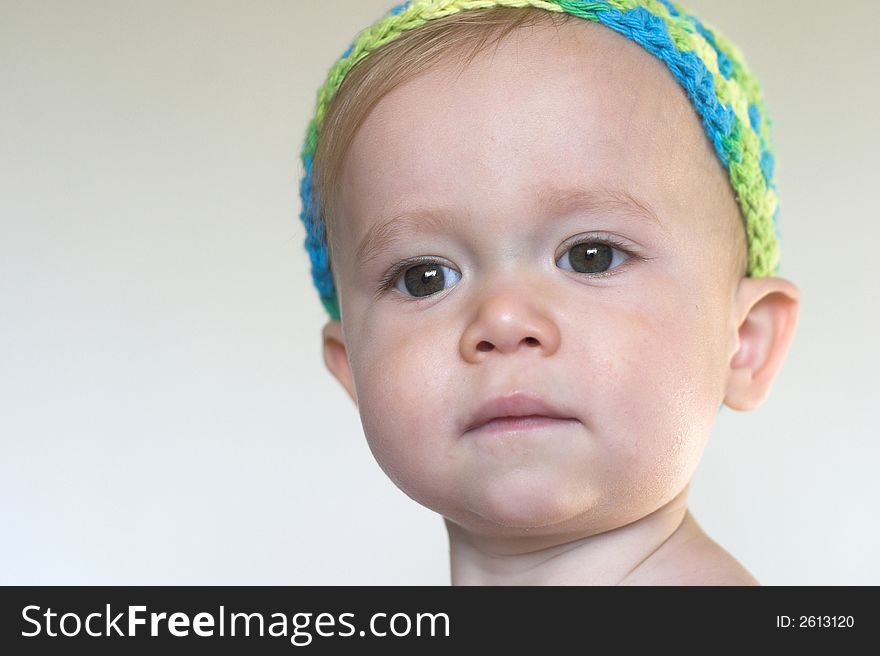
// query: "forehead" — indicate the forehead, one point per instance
point(573, 106)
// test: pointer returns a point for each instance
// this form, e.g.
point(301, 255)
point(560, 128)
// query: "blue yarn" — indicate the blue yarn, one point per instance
point(755, 118)
point(651, 33)
point(314, 241)
point(767, 161)
point(399, 8)
point(672, 10)
point(321, 273)
point(767, 165)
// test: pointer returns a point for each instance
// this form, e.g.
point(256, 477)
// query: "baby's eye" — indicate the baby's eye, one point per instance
point(426, 278)
point(593, 256)
point(418, 279)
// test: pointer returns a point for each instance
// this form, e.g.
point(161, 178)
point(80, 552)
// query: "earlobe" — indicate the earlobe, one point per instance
point(336, 357)
point(767, 313)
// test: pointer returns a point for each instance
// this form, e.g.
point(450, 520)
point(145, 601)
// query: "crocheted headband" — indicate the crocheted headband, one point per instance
point(712, 71)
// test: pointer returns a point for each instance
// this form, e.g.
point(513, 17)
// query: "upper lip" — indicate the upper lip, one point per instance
point(518, 404)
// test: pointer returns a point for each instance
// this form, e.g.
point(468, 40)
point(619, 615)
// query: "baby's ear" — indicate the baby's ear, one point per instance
point(766, 314)
point(336, 357)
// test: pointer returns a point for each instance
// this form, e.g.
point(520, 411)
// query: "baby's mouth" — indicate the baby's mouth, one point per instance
point(521, 410)
point(518, 424)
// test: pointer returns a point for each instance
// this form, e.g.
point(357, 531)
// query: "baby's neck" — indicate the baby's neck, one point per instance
point(630, 554)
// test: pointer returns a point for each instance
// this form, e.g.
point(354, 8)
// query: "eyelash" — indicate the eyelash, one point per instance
point(388, 280)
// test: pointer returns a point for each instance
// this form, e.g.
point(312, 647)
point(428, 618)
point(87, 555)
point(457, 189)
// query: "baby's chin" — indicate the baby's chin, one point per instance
point(525, 499)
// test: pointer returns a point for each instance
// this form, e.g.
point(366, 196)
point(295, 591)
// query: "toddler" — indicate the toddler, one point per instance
point(545, 234)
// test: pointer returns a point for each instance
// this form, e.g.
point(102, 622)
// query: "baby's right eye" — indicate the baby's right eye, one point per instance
point(422, 279)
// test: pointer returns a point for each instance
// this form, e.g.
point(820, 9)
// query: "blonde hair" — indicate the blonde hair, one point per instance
point(465, 34)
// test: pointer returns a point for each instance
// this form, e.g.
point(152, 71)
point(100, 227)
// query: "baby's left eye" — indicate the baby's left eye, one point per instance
point(593, 256)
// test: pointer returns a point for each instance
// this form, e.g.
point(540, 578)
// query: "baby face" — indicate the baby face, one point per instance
point(563, 229)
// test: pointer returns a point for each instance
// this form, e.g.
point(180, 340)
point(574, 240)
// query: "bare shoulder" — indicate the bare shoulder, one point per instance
point(708, 563)
point(690, 557)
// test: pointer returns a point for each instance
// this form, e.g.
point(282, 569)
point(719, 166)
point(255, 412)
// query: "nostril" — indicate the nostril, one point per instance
point(484, 346)
point(531, 340)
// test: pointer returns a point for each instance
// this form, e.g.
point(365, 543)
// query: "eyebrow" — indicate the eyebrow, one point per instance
point(384, 233)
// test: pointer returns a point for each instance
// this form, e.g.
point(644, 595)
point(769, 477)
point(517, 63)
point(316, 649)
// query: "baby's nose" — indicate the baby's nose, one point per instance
point(509, 320)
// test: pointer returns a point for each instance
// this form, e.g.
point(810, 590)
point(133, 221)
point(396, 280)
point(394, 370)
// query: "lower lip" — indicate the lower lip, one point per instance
point(518, 424)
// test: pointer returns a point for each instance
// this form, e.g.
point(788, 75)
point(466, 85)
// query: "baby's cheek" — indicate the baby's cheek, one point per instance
point(406, 404)
point(664, 413)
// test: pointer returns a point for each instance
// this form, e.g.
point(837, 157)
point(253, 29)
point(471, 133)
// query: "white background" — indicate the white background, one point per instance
point(165, 414)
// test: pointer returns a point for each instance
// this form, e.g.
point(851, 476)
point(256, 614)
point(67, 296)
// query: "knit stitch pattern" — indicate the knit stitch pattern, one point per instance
point(711, 69)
